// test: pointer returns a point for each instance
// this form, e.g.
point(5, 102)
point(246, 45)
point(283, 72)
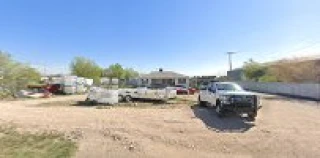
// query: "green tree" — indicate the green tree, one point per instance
point(15, 76)
point(130, 73)
point(115, 71)
point(253, 70)
point(87, 68)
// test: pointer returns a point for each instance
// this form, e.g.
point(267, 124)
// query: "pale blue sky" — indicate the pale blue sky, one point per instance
point(187, 36)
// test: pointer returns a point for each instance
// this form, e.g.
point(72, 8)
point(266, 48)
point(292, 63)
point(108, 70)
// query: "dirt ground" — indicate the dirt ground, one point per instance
point(284, 128)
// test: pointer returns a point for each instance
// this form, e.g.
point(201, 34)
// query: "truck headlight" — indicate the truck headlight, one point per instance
point(225, 99)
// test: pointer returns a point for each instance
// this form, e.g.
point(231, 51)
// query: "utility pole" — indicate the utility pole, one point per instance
point(230, 58)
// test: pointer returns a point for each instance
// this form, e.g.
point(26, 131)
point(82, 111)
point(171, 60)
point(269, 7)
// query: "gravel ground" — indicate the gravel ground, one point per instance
point(284, 128)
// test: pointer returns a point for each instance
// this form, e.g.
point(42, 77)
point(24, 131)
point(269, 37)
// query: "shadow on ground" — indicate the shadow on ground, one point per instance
point(134, 103)
point(229, 124)
point(85, 104)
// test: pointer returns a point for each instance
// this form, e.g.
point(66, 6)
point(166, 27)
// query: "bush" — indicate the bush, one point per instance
point(254, 71)
point(15, 76)
point(268, 78)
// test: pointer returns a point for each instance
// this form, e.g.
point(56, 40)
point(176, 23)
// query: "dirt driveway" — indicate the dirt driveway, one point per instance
point(284, 128)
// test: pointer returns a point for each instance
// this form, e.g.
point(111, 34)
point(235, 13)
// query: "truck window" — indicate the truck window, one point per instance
point(228, 87)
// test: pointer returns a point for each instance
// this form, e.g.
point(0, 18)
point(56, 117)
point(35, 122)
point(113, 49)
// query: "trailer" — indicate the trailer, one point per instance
point(107, 93)
point(98, 95)
point(153, 92)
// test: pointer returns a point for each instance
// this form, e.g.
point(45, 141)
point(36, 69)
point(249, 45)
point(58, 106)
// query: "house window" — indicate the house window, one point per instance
point(144, 81)
point(182, 81)
point(156, 81)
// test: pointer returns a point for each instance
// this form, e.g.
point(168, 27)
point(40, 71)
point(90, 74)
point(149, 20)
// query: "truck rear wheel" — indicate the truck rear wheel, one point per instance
point(201, 103)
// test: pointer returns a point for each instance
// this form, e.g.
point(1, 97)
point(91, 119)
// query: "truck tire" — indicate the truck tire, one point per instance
point(252, 116)
point(128, 98)
point(201, 103)
point(219, 110)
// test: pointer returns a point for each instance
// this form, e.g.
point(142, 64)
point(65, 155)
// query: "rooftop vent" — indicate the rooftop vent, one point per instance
point(160, 70)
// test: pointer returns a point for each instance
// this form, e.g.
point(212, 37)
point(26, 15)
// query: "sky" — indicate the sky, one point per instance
point(187, 36)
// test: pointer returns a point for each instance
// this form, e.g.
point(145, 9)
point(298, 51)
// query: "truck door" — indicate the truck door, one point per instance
point(212, 91)
point(204, 93)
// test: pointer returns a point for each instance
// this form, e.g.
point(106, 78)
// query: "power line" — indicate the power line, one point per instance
point(305, 47)
point(299, 49)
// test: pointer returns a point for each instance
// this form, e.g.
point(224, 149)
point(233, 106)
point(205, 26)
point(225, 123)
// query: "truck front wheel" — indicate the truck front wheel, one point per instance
point(252, 116)
point(219, 110)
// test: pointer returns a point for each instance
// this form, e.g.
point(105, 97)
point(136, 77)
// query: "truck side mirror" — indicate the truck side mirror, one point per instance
point(203, 88)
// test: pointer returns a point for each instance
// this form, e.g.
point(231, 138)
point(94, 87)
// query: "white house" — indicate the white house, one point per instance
point(168, 78)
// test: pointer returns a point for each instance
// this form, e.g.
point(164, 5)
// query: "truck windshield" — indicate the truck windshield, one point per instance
point(229, 87)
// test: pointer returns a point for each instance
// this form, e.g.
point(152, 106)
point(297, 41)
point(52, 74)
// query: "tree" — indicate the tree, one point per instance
point(115, 71)
point(87, 68)
point(253, 70)
point(15, 76)
point(130, 73)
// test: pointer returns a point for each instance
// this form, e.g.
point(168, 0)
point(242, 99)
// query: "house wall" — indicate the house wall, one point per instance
point(160, 81)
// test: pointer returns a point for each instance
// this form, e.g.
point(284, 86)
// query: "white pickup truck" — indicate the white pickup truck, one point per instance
point(228, 96)
point(154, 92)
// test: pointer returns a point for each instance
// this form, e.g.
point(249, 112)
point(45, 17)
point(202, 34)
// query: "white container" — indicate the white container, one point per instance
point(57, 80)
point(69, 89)
point(69, 84)
point(88, 82)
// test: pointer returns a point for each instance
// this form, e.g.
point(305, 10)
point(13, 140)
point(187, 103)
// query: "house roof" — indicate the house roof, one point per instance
point(163, 75)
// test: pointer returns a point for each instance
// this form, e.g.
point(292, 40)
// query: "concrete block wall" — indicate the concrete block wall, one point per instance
point(307, 90)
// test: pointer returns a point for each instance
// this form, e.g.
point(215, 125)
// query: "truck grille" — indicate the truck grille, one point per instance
point(247, 99)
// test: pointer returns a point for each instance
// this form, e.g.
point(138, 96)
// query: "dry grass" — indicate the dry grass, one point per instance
point(17, 144)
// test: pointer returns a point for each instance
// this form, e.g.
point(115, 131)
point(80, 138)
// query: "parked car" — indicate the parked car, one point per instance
point(181, 89)
point(192, 90)
point(55, 88)
point(228, 96)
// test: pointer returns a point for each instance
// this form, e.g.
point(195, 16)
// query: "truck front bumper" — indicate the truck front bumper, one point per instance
point(239, 107)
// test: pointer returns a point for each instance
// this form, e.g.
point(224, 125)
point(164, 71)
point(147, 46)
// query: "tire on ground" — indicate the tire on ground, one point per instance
point(201, 103)
point(219, 109)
